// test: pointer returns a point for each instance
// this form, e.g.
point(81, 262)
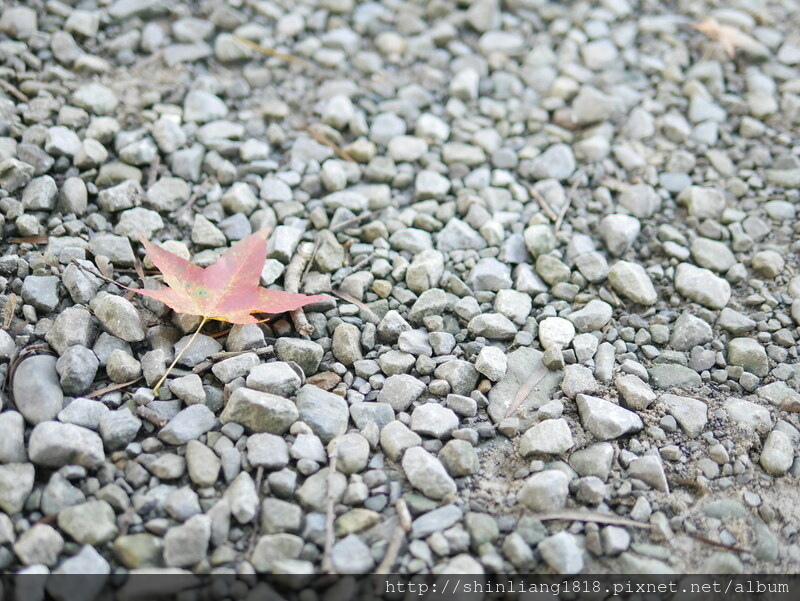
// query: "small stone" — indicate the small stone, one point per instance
point(431, 419)
point(352, 555)
point(91, 523)
point(187, 544)
point(76, 368)
point(557, 162)
point(492, 363)
point(306, 353)
point(635, 394)
point(124, 195)
point(768, 264)
point(649, 470)
point(578, 380)
point(189, 389)
point(426, 473)
point(19, 22)
point(631, 281)
point(619, 232)
point(704, 203)
point(555, 332)
point(37, 390)
point(592, 317)
point(691, 414)
point(690, 331)
point(95, 98)
point(712, 254)
point(12, 438)
point(545, 491)
point(777, 454)
point(396, 438)
point(605, 420)
point(459, 458)
point(189, 424)
point(202, 464)
point(347, 344)
point(552, 436)
point(325, 413)
point(493, 326)
point(16, 483)
point(702, 286)
point(40, 545)
point(242, 497)
point(259, 411)
point(352, 452)
point(41, 292)
point(748, 354)
point(119, 317)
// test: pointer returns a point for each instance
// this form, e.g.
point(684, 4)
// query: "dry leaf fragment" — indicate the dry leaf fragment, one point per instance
point(728, 37)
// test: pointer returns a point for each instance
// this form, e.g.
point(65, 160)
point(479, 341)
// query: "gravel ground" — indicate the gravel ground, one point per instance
point(565, 241)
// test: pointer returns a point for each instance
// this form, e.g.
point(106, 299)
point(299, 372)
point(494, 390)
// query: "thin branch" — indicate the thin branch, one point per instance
point(576, 515)
point(269, 51)
point(370, 314)
point(340, 152)
point(11, 89)
point(355, 220)
point(111, 388)
point(330, 537)
point(205, 365)
point(543, 204)
point(291, 283)
point(398, 536)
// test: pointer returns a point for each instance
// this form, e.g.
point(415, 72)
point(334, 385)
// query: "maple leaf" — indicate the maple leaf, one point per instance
point(728, 37)
point(228, 290)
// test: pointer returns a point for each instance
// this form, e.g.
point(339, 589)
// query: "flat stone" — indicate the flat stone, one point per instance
point(649, 470)
point(426, 473)
point(53, 444)
point(545, 491)
point(16, 483)
point(777, 454)
point(37, 389)
point(188, 424)
point(691, 414)
point(670, 375)
point(748, 414)
point(702, 286)
point(551, 436)
point(260, 411)
point(325, 413)
point(605, 420)
point(631, 281)
point(91, 523)
point(431, 419)
point(748, 354)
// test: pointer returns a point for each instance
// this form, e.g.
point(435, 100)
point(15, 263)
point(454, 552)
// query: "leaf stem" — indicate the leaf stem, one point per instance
point(178, 356)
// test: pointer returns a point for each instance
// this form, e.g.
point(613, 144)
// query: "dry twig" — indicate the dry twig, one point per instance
point(371, 316)
point(399, 534)
point(330, 537)
point(577, 515)
point(269, 51)
point(291, 283)
point(11, 89)
point(340, 152)
point(111, 388)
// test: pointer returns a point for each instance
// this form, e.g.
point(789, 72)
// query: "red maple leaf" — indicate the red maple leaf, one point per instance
point(228, 290)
